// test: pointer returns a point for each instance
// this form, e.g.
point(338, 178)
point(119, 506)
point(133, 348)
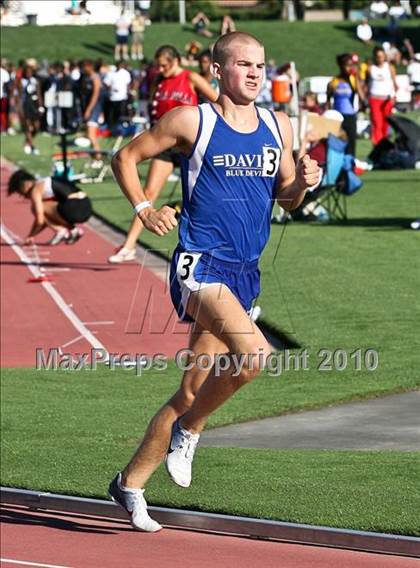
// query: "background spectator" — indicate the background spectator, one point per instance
point(378, 9)
point(413, 72)
point(397, 11)
point(91, 104)
point(407, 51)
point(201, 24)
point(392, 52)
point(30, 107)
point(227, 25)
point(144, 6)
point(382, 87)
point(4, 100)
point(192, 49)
point(310, 103)
point(364, 32)
point(118, 82)
point(343, 90)
point(122, 32)
point(138, 24)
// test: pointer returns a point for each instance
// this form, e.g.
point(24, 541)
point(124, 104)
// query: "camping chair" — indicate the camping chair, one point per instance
point(328, 194)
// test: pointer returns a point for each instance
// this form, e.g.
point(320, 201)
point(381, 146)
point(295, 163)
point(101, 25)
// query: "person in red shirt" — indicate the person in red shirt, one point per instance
point(173, 87)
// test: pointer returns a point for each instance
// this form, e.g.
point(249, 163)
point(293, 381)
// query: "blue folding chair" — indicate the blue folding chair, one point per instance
point(330, 194)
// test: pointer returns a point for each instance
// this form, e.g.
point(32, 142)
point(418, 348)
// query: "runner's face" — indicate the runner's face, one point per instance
point(243, 71)
point(167, 67)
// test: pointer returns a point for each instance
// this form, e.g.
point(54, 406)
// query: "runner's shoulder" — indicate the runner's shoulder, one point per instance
point(285, 126)
point(183, 118)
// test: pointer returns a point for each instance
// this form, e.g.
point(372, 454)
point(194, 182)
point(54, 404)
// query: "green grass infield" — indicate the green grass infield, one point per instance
point(69, 432)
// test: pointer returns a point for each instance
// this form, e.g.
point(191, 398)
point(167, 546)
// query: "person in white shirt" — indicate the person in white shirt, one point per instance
point(382, 86)
point(118, 82)
point(122, 31)
point(364, 31)
point(413, 71)
point(397, 11)
point(378, 9)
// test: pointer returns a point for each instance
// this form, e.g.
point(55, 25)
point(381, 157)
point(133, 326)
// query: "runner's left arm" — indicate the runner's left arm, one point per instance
point(293, 179)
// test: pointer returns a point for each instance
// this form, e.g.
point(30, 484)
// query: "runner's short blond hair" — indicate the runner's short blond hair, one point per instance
point(222, 46)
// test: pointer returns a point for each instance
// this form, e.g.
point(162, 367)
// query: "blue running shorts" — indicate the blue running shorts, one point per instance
point(192, 271)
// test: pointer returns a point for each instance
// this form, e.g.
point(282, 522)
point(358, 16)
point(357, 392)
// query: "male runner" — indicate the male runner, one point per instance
point(236, 160)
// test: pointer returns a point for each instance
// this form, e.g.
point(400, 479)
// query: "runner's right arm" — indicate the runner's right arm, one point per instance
point(37, 206)
point(177, 128)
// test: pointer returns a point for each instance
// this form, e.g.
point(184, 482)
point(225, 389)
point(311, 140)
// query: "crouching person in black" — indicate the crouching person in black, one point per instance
point(55, 203)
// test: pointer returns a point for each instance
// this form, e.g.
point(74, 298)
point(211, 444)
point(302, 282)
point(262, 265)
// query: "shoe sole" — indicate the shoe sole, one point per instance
point(129, 516)
point(121, 261)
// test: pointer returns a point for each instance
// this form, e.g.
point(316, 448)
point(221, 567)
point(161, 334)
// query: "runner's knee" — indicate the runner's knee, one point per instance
point(183, 399)
point(252, 360)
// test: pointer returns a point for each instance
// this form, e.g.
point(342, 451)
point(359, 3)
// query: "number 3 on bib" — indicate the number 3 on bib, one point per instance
point(186, 265)
point(187, 261)
point(271, 161)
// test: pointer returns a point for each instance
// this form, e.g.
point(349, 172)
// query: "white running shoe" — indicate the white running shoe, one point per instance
point(133, 501)
point(74, 235)
point(255, 312)
point(180, 455)
point(59, 237)
point(123, 254)
point(27, 149)
point(96, 164)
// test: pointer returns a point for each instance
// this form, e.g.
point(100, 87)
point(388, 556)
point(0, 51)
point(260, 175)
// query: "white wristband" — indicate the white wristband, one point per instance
point(140, 206)
point(318, 182)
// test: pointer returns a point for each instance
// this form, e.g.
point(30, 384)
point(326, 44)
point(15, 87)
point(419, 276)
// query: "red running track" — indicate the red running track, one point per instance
point(126, 308)
point(78, 542)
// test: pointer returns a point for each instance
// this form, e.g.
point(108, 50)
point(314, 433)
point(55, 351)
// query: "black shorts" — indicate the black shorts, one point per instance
point(30, 111)
point(170, 155)
point(121, 39)
point(75, 210)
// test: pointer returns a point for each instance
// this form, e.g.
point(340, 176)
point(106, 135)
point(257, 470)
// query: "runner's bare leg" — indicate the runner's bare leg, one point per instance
point(201, 393)
point(156, 440)
point(217, 309)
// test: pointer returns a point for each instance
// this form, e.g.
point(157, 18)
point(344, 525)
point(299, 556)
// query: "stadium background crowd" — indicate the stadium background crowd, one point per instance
point(126, 87)
point(119, 98)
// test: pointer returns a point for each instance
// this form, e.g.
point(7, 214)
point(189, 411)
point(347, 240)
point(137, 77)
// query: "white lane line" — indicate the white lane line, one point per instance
point(55, 269)
point(75, 340)
point(56, 296)
point(26, 563)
